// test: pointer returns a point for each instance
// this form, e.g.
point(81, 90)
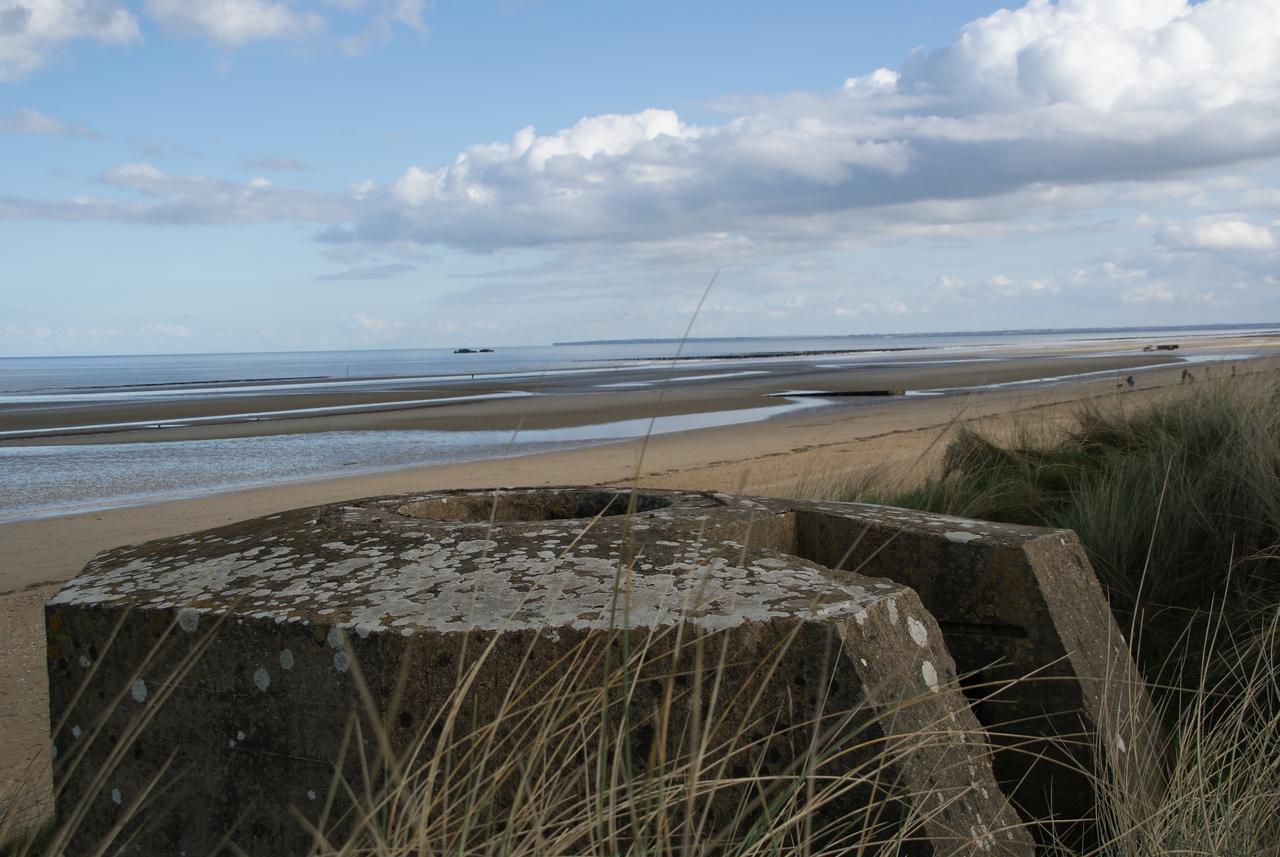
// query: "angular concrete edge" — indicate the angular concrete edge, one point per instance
point(1012, 601)
point(1125, 720)
point(910, 680)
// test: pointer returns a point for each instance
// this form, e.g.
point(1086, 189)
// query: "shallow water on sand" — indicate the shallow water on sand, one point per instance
point(60, 479)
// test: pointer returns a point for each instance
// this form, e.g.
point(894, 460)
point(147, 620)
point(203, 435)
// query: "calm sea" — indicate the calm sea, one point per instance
point(57, 479)
point(48, 374)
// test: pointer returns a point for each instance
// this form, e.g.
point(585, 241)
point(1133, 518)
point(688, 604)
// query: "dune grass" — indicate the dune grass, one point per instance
point(664, 750)
point(21, 841)
point(1222, 766)
point(647, 741)
point(1177, 503)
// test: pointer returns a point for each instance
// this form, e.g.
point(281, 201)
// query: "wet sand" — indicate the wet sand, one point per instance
point(781, 456)
point(582, 397)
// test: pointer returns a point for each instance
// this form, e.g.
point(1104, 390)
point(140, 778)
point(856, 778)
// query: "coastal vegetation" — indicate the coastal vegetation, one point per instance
point(1177, 503)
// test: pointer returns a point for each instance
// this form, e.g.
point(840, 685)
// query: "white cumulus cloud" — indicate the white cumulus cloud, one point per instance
point(1043, 98)
point(235, 22)
point(1106, 55)
point(30, 30)
point(1027, 112)
point(569, 153)
point(1220, 234)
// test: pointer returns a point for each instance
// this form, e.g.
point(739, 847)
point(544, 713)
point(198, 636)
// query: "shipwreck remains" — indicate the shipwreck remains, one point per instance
point(208, 690)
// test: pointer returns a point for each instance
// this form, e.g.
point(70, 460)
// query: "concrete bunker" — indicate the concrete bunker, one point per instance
point(247, 651)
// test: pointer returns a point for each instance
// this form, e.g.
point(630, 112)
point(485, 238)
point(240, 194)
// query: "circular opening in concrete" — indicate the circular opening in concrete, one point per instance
point(530, 506)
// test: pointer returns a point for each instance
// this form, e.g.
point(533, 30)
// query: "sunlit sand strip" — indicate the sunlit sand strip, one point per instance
point(1193, 359)
point(259, 415)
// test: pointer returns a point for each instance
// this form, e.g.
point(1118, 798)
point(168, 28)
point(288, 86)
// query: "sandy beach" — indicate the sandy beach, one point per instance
point(780, 456)
point(102, 442)
point(532, 401)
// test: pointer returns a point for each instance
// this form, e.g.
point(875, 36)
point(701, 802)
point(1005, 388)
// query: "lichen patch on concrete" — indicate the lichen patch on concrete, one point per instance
point(311, 614)
point(402, 573)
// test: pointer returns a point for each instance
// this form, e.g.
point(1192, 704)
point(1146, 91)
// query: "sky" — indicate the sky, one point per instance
point(185, 176)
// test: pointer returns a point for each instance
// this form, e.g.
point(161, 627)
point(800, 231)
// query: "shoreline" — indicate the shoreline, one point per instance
point(504, 448)
point(552, 399)
point(86, 477)
point(40, 553)
point(140, 450)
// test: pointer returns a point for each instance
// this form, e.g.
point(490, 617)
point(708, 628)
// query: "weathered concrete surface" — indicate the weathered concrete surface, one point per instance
point(1031, 632)
point(202, 687)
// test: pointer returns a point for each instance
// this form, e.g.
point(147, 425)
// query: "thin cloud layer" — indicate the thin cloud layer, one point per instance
point(164, 199)
point(33, 122)
point(277, 164)
point(370, 272)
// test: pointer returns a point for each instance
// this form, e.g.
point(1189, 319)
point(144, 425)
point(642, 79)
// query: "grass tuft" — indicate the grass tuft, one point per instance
point(1177, 504)
point(1223, 768)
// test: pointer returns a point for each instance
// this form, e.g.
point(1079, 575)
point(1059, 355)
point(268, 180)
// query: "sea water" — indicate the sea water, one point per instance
point(59, 478)
point(117, 373)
